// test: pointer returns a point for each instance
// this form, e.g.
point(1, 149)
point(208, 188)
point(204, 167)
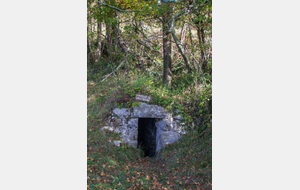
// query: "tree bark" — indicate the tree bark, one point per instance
point(201, 37)
point(91, 50)
point(99, 41)
point(167, 49)
point(183, 33)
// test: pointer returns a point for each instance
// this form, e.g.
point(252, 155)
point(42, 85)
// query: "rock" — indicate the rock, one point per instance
point(168, 137)
point(178, 117)
point(175, 125)
point(132, 143)
point(133, 123)
point(181, 130)
point(117, 143)
point(133, 134)
point(168, 125)
point(117, 130)
point(107, 128)
point(121, 113)
point(116, 121)
point(149, 111)
point(159, 130)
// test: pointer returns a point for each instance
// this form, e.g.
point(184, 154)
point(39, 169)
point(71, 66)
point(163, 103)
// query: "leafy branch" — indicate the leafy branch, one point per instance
point(116, 8)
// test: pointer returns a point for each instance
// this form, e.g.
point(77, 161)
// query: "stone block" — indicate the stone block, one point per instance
point(133, 123)
point(168, 125)
point(122, 113)
point(133, 134)
point(107, 128)
point(132, 143)
point(179, 117)
point(149, 111)
point(168, 137)
point(117, 143)
point(116, 121)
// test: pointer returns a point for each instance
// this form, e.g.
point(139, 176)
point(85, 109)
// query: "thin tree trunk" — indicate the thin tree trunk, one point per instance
point(201, 37)
point(183, 33)
point(192, 46)
point(124, 46)
point(179, 45)
point(91, 50)
point(89, 28)
point(99, 41)
point(167, 49)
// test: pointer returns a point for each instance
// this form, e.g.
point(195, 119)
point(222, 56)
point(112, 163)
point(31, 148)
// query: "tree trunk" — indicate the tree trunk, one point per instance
point(108, 29)
point(183, 33)
point(111, 34)
point(99, 41)
point(201, 37)
point(167, 49)
point(91, 50)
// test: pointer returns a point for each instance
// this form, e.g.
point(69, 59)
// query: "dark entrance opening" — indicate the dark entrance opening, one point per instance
point(147, 136)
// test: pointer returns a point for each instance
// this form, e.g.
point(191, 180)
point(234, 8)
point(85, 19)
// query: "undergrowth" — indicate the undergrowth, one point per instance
point(185, 164)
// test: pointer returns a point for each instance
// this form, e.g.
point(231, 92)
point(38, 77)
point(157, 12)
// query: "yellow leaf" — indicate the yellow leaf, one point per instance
point(102, 174)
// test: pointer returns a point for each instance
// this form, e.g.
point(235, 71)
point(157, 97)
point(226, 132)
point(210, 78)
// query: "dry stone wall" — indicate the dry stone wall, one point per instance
point(125, 121)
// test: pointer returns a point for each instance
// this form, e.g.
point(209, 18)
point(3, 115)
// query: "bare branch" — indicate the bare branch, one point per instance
point(127, 49)
point(199, 66)
point(106, 76)
point(179, 45)
point(143, 43)
point(190, 7)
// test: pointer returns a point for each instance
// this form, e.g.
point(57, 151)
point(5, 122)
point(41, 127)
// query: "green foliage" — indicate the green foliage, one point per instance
point(126, 90)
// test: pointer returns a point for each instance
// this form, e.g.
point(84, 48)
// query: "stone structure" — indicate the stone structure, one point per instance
point(168, 128)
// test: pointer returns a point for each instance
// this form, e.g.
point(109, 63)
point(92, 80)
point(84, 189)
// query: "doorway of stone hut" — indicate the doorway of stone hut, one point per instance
point(147, 136)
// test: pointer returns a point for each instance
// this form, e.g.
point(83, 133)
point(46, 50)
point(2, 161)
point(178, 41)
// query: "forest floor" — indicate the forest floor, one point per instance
point(112, 167)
